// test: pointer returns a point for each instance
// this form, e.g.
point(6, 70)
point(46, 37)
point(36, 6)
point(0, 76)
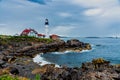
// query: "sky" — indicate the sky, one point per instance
point(75, 18)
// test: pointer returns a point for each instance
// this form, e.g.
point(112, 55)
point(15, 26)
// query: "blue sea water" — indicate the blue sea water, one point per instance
point(107, 48)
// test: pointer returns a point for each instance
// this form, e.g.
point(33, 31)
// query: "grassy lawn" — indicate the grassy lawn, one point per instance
point(4, 39)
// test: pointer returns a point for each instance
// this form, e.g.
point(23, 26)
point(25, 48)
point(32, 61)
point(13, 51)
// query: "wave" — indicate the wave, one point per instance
point(92, 45)
point(85, 51)
point(41, 61)
point(65, 52)
point(70, 51)
point(57, 53)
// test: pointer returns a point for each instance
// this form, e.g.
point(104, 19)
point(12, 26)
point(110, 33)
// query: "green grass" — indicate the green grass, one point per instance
point(8, 39)
point(8, 77)
point(37, 77)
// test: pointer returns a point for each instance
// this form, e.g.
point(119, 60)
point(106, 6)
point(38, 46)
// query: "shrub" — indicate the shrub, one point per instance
point(8, 77)
point(37, 77)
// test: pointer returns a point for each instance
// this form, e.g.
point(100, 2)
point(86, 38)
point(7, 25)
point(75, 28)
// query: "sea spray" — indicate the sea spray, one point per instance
point(41, 61)
point(71, 51)
point(65, 52)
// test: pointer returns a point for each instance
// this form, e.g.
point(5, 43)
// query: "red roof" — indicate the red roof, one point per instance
point(53, 35)
point(40, 34)
point(26, 30)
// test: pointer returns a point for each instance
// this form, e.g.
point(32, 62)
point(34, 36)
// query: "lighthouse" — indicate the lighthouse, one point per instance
point(46, 28)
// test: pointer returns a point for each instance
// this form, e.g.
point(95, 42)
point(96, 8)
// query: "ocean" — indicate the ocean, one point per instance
point(107, 48)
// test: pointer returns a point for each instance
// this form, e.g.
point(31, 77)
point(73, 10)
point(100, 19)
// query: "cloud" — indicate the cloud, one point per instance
point(40, 1)
point(64, 14)
point(113, 13)
point(62, 30)
point(93, 12)
point(99, 8)
point(95, 3)
point(2, 24)
point(100, 14)
point(96, 7)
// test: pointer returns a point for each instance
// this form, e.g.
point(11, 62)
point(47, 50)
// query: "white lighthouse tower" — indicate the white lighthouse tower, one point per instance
point(46, 28)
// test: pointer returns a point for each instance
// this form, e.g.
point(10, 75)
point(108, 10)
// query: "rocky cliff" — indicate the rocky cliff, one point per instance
point(30, 46)
point(16, 55)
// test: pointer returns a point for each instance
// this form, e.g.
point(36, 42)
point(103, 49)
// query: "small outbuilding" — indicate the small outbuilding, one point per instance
point(41, 35)
point(54, 37)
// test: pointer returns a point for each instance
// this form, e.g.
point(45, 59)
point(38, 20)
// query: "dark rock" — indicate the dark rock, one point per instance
point(11, 58)
point(14, 71)
point(116, 78)
point(5, 58)
point(98, 45)
point(74, 43)
point(77, 45)
point(117, 70)
point(2, 63)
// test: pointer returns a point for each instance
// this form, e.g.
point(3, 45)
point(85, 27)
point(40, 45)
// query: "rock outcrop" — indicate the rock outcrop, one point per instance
point(88, 71)
point(75, 44)
point(32, 48)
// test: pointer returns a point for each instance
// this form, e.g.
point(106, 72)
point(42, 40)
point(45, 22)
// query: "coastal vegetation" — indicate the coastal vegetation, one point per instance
point(14, 77)
point(7, 39)
point(8, 77)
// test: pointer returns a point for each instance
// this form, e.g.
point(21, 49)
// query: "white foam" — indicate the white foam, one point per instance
point(69, 51)
point(65, 52)
point(92, 45)
point(85, 51)
point(57, 53)
point(41, 61)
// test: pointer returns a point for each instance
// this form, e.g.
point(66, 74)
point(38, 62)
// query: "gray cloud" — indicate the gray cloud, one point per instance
point(40, 1)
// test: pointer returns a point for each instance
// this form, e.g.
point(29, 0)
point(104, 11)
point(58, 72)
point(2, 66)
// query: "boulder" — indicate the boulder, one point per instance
point(44, 69)
point(74, 43)
point(86, 46)
point(2, 63)
point(14, 71)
